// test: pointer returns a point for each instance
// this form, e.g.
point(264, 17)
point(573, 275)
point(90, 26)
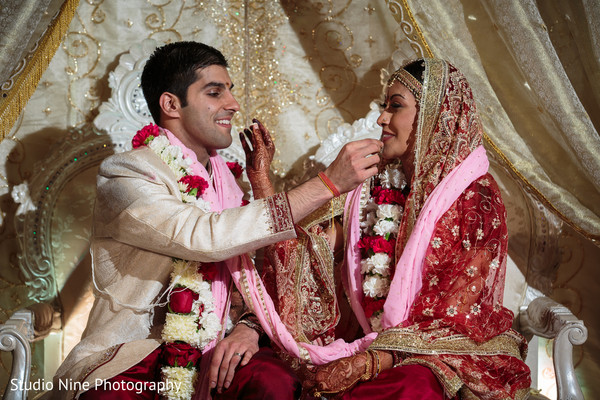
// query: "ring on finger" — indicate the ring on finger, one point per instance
point(238, 354)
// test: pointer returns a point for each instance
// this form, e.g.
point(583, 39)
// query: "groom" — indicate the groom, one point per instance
point(168, 223)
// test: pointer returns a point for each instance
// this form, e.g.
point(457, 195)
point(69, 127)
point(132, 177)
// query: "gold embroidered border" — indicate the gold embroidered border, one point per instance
point(300, 259)
point(323, 213)
point(12, 105)
point(106, 357)
point(304, 355)
point(405, 78)
point(280, 212)
point(520, 394)
point(410, 342)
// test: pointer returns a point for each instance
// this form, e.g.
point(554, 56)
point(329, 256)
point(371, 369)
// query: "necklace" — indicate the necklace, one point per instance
point(191, 321)
point(380, 220)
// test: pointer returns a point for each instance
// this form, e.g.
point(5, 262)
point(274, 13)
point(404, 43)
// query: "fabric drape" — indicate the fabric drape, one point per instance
point(528, 104)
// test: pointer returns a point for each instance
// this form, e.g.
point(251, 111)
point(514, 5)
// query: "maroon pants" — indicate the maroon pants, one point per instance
point(264, 377)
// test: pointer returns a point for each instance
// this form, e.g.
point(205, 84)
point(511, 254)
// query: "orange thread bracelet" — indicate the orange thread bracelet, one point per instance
point(329, 184)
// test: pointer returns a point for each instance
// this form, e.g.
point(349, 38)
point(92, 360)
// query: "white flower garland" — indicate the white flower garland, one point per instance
point(381, 220)
point(201, 325)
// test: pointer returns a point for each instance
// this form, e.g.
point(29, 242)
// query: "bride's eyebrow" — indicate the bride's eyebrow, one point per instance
point(397, 94)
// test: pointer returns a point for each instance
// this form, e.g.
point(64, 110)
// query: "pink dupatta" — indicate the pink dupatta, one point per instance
point(406, 283)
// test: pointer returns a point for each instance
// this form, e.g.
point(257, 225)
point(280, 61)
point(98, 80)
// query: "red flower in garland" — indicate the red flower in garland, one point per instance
point(372, 305)
point(378, 244)
point(235, 168)
point(180, 354)
point(196, 184)
point(141, 137)
point(388, 196)
point(181, 300)
point(209, 271)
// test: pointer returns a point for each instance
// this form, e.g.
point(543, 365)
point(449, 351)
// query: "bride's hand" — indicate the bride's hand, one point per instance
point(259, 155)
point(342, 374)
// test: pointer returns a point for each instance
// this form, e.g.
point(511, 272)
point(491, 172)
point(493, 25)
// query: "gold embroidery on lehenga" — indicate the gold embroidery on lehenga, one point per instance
point(506, 343)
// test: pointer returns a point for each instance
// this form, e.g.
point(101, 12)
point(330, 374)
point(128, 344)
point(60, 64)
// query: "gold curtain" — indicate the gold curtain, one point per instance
point(534, 69)
point(31, 31)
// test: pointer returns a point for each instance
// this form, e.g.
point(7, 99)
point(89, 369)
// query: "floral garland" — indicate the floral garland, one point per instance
point(381, 219)
point(191, 321)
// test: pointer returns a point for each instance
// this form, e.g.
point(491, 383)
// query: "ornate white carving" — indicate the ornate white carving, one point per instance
point(546, 318)
point(15, 336)
point(20, 195)
point(360, 129)
point(81, 148)
point(126, 110)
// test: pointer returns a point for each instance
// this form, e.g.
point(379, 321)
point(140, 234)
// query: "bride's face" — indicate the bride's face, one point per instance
point(398, 121)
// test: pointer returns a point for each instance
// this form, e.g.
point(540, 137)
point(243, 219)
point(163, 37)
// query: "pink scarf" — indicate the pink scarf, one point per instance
point(404, 287)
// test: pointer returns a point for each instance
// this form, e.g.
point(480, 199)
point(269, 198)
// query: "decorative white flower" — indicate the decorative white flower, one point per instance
point(180, 327)
point(171, 154)
point(470, 194)
point(392, 211)
point(484, 182)
point(436, 242)
point(392, 176)
point(494, 264)
point(378, 263)
point(370, 220)
point(179, 382)
point(428, 312)
point(495, 222)
point(452, 311)
point(434, 281)
point(376, 323)
point(210, 325)
point(466, 244)
point(455, 230)
point(375, 286)
point(471, 271)
point(479, 234)
point(187, 198)
point(159, 143)
point(384, 226)
point(475, 309)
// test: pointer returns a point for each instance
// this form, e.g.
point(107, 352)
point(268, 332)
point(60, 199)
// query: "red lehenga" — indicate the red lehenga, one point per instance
point(456, 325)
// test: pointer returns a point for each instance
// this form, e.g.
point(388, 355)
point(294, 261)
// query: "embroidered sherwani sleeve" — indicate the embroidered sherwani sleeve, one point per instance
point(140, 204)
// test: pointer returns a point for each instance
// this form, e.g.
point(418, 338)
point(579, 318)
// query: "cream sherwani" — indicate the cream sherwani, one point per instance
point(140, 222)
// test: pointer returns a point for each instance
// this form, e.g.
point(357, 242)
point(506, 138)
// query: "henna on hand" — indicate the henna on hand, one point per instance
point(259, 155)
point(343, 374)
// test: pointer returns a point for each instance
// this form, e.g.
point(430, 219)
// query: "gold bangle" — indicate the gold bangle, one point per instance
point(378, 369)
point(368, 373)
